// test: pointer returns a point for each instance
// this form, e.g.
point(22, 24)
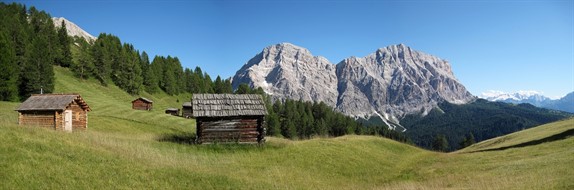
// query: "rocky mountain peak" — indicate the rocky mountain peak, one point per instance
point(73, 29)
point(389, 83)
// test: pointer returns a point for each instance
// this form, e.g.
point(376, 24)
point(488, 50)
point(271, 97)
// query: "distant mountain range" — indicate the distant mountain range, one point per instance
point(565, 103)
point(389, 83)
point(73, 29)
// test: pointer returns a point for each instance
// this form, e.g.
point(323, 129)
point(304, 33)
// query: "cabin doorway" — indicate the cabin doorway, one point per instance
point(68, 120)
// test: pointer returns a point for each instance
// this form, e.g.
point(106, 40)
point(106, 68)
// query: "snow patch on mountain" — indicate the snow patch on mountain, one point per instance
point(496, 95)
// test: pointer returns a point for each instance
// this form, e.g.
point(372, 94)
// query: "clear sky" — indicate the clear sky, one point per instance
point(505, 45)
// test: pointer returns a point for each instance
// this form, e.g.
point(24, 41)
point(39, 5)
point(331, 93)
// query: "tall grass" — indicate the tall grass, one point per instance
point(125, 148)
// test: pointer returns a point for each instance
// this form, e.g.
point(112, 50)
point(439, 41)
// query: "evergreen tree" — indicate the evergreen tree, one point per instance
point(83, 65)
point(106, 53)
point(10, 70)
point(153, 74)
point(218, 85)
point(467, 140)
point(200, 84)
point(37, 75)
point(440, 143)
point(64, 57)
point(273, 124)
point(243, 89)
point(208, 83)
point(188, 77)
point(128, 75)
point(227, 88)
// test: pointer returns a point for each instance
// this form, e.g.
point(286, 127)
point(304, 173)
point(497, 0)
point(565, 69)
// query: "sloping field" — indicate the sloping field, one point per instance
point(125, 148)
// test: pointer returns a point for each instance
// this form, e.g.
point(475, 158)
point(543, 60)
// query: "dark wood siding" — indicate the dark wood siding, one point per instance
point(230, 129)
point(38, 118)
point(172, 112)
point(141, 105)
point(187, 113)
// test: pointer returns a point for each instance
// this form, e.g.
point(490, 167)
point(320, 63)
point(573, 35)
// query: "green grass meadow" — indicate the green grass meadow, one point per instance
point(130, 149)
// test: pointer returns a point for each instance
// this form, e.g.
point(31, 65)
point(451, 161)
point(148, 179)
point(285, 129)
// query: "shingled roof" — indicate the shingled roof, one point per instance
point(144, 99)
point(52, 102)
point(226, 105)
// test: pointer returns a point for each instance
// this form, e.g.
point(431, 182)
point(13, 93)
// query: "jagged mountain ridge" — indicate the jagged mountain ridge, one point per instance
point(391, 82)
point(73, 29)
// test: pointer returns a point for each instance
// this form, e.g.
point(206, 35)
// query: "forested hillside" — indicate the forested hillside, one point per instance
point(477, 121)
point(30, 45)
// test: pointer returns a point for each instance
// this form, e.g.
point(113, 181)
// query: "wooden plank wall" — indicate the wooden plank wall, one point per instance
point(229, 130)
point(38, 118)
point(141, 105)
point(186, 112)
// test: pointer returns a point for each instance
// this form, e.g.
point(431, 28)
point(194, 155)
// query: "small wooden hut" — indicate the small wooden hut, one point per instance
point(236, 118)
point(172, 111)
point(186, 109)
point(59, 111)
point(142, 104)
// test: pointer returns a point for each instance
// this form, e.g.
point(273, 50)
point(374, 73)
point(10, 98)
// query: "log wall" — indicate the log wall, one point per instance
point(187, 113)
point(38, 118)
point(230, 130)
point(141, 105)
point(54, 119)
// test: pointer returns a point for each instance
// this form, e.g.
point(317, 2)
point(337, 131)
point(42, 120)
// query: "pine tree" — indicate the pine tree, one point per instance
point(440, 143)
point(152, 75)
point(218, 85)
point(36, 73)
point(83, 65)
point(127, 75)
point(227, 88)
point(273, 124)
point(208, 83)
point(64, 57)
point(10, 71)
point(243, 89)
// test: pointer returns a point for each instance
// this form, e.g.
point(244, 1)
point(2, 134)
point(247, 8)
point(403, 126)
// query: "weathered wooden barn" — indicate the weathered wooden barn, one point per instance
point(235, 118)
point(186, 110)
point(172, 111)
point(142, 103)
point(59, 111)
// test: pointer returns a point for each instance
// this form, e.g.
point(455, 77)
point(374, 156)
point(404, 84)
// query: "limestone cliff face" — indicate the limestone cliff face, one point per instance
point(73, 29)
point(396, 80)
point(391, 82)
point(287, 71)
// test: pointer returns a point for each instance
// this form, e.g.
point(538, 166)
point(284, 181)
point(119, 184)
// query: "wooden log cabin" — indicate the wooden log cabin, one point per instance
point(186, 110)
point(142, 103)
point(58, 111)
point(229, 118)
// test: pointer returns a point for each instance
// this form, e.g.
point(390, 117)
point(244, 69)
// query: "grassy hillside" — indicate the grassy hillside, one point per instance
point(125, 148)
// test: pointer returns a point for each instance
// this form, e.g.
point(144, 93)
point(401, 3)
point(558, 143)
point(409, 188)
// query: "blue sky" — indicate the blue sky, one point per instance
point(506, 45)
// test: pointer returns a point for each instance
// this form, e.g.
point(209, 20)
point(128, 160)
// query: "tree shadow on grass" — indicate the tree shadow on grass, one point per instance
point(223, 147)
point(559, 136)
point(179, 138)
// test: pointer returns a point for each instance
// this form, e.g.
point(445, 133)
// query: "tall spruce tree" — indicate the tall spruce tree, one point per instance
point(83, 65)
point(440, 143)
point(64, 56)
point(36, 73)
point(9, 64)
